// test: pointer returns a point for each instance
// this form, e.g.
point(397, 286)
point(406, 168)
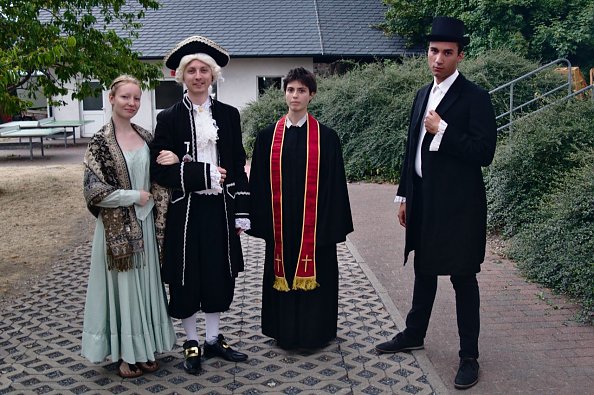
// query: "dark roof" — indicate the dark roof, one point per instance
point(272, 28)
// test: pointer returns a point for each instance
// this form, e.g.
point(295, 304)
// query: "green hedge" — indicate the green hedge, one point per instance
point(539, 187)
point(557, 248)
point(540, 150)
point(369, 107)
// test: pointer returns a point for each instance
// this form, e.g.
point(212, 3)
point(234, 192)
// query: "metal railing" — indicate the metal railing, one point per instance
point(515, 109)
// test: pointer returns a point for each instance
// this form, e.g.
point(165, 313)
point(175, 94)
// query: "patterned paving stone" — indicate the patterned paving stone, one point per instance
point(40, 344)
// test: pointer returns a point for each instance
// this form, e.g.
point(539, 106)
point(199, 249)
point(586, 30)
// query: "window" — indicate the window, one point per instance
point(167, 93)
point(265, 83)
point(94, 103)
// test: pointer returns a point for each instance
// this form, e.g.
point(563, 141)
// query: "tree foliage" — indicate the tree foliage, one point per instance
point(45, 44)
point(540, 30)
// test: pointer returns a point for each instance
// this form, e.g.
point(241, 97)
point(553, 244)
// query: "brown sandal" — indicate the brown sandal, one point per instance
point(134, 371)
point(149, 366)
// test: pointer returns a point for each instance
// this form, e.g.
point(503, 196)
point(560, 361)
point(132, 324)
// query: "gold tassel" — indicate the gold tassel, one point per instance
point(305, 283)
point(280, 284)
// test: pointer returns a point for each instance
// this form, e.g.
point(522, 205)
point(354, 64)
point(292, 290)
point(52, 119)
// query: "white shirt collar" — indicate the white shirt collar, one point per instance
point(299, 123)
point(447, 83)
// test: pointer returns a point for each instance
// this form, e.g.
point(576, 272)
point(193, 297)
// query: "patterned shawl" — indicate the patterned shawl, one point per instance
point(105, 172)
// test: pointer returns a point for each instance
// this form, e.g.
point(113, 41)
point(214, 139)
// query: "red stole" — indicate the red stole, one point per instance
point(305, 274)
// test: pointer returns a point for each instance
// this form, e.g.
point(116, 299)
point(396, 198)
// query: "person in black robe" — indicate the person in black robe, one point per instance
point(299, 316)
point(209, 199)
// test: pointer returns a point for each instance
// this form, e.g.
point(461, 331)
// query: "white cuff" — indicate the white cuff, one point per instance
point(436, 142)
point(399, 199)
point(215, 179)
point(243, 223)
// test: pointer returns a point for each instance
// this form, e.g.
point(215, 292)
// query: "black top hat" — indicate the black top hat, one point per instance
point(445, 28)
point(193, 45)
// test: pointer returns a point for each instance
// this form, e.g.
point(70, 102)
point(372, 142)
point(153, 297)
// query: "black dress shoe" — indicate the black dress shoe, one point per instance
point(221, 349)
point(397, 344)
point(191, 357)
point(468, 373)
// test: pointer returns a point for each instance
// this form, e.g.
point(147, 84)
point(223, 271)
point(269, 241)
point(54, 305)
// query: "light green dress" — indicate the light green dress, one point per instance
point(126, 312)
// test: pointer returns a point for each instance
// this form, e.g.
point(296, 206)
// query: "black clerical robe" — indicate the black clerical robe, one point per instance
point(300, 319)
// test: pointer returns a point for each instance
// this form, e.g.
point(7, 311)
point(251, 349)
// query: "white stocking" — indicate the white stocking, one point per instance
point(189, 325)
point(212, 326)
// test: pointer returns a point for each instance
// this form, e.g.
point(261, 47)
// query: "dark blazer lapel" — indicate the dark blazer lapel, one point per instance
point(419, 111)
point(452, 95)
point(421, 105)
point(218, 116)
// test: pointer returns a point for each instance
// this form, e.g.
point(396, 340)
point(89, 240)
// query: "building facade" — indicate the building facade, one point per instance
point(265, 38)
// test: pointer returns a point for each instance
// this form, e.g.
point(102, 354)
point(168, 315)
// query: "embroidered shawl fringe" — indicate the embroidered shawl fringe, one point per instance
point(161, 196)
point(123, 264)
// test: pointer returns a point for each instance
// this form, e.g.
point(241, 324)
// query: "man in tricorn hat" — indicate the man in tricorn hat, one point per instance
point(209, 199)
point(451, 135)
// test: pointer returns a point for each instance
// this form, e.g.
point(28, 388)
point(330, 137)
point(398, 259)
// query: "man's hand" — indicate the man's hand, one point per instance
point(223, 174)
point(432, 122)
point(402, 214)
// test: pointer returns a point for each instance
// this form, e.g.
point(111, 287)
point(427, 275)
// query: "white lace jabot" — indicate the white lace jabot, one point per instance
point(206, 144)
point(206, 130)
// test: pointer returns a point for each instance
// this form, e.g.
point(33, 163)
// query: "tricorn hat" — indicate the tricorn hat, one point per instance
point(193, 45)
point(445, 28)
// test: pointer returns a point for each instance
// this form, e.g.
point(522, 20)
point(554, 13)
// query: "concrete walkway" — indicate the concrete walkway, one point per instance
point(530, 342)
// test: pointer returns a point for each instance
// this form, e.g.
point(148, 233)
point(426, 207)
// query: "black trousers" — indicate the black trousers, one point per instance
point(465, 286)
point(467, 311)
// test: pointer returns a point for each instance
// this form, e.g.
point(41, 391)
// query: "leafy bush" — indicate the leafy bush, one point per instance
point(369, 107)
point(258, 114)
point(557, 249)
point(528, 162)
point(539, 187)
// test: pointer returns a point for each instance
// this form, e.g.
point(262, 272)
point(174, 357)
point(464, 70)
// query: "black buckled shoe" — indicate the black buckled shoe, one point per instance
point(221, 349)
point(468, 373)
point(397, 344)
point(191, 357)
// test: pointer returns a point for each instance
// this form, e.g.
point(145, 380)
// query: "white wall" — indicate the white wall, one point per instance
point(240, 86)
point(241, 77)
point(72, 109)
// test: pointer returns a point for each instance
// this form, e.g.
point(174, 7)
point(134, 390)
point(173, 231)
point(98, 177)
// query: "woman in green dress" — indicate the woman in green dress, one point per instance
point(125, 311)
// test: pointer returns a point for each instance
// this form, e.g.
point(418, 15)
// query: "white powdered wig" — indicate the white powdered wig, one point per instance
point(217, 74)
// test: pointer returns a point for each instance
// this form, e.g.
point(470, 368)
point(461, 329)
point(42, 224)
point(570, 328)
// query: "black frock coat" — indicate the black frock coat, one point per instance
point(172, 131)
point(448, 234)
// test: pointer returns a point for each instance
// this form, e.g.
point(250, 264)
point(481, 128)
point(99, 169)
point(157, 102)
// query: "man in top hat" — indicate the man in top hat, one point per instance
point(451, 135)
point(208, 206)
